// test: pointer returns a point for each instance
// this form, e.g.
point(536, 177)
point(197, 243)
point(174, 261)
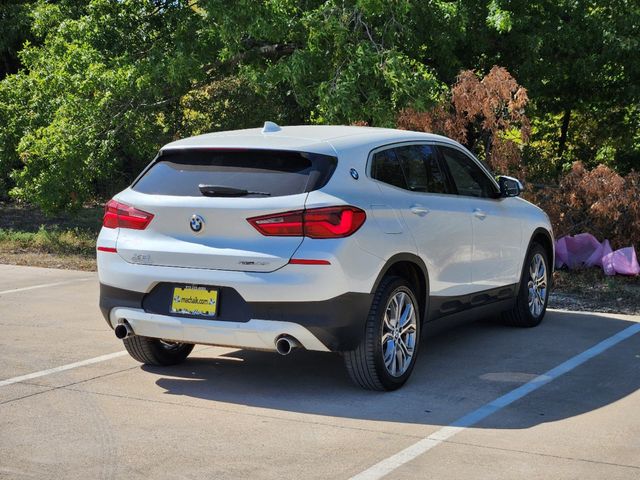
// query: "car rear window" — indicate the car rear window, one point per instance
point(274, 172)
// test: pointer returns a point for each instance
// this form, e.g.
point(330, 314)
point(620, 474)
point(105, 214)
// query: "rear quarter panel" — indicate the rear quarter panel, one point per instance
point(383, 234)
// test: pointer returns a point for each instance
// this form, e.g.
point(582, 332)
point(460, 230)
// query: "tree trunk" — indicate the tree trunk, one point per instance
point(562, 142)
point(488, 146)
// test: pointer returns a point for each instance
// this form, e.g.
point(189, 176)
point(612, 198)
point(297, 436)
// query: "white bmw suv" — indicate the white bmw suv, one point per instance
point(326, 238)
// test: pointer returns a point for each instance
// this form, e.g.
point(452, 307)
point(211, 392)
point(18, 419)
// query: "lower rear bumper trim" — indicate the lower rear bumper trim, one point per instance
point(338, 323)
point(255, 334)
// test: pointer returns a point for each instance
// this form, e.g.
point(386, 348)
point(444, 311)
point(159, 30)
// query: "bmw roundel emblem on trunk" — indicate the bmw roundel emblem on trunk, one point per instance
point(196, 223)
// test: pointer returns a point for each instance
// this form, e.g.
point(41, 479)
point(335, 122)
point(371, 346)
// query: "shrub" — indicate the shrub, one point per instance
point(484, 114)
point(598, 201)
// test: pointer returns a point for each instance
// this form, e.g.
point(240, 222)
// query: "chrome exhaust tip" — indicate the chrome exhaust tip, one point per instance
point(285, 344)
point(123, 330)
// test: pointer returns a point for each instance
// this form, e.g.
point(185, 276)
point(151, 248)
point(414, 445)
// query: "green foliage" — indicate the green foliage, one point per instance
point(498, 18)
point(339, 61)
point(577, 58)
point(361, 72)
point(14, 25)
point(609, 136)
point(106, 83)
point(95, 99)
point(95, 87)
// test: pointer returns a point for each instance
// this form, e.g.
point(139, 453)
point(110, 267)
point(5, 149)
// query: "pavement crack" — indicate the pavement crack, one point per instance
point(50, 388)
point(251, 414)
point(27, 396)
point(540, 454)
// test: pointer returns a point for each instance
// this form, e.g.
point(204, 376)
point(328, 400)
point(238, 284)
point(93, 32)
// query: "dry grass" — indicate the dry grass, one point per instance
point(48, 260)
point(590, 289)
point(27, 237)
point(25, 218)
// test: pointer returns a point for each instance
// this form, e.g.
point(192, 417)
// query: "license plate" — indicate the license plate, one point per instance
point(194, 300)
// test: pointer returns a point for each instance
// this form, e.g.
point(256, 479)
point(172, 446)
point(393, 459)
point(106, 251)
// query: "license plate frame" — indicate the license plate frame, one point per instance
point(195, 301)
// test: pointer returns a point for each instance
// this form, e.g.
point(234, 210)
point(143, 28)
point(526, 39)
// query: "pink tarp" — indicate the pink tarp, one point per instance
point(584, 250)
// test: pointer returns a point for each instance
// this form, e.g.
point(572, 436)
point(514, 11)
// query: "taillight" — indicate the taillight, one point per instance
point(118, 214)
point(326, 222)
point(288, 224)
point(332, 222)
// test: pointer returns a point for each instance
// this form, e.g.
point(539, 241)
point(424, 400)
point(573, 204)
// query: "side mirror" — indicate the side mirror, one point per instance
point(509, 186)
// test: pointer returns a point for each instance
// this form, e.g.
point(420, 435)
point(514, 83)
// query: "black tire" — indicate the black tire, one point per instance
point(366, 364)
point(521, 315)
point(153, 351)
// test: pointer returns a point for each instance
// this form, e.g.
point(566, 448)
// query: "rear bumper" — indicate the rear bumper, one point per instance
point(351, 270)
point(336, 324)
point(254, 334)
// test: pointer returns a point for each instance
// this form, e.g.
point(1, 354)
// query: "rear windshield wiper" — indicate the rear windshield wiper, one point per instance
point(221, 191)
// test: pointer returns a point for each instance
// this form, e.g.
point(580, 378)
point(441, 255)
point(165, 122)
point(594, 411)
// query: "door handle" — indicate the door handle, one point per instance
point(419, 210)
point(479, 213)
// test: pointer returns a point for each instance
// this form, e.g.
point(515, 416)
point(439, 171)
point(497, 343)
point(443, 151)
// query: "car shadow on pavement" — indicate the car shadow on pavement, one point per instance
point(458, 370)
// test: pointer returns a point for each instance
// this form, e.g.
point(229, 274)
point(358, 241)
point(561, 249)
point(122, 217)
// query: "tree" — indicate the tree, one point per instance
point(484, 114)
point(98, 93)
point(14, 25)
point(106, 83)
point(341, 61)
point(577, 58)
point(97, 85)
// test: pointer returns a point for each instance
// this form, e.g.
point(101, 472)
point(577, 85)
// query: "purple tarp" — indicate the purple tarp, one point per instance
point(584, 250)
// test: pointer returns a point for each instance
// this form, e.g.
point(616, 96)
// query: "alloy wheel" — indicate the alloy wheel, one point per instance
point(399, 333)
point(537, 285)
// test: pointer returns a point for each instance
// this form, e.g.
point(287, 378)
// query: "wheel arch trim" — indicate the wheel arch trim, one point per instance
point(416, 261)
point(549, 237)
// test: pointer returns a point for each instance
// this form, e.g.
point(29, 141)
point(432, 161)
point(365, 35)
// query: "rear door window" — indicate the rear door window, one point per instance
point(269, 172)
point(421, 168)
point(411, 167)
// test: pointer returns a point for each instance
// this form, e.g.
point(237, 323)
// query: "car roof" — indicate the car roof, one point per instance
point(325, 139)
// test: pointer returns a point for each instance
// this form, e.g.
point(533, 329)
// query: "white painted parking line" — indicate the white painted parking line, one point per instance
point(45, 285)
point(62, 368)
point(390, 464)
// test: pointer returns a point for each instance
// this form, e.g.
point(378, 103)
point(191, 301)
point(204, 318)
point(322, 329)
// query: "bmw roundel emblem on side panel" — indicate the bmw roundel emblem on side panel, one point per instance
point(354, 173)
point(196, 223)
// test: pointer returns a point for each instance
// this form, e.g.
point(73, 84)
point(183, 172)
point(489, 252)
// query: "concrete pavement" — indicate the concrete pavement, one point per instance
point(239, 414)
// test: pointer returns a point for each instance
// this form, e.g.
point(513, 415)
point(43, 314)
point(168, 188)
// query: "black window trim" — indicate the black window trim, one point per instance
point(146, 169)
point(391, 146)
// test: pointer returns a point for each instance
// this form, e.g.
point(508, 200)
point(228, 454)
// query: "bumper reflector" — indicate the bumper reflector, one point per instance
point(304, 261)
